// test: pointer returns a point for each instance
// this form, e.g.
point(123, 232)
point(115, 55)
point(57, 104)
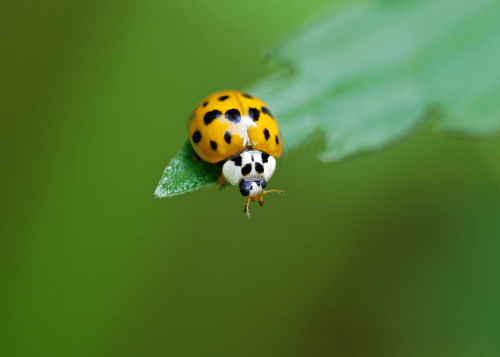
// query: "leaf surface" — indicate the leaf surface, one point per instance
point(185, 173)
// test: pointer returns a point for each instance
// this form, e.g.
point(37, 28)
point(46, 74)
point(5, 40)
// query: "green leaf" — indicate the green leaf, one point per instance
point(369, 77)
point(186, 173)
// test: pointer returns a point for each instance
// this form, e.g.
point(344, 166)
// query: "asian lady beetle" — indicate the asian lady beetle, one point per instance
point(240, 129)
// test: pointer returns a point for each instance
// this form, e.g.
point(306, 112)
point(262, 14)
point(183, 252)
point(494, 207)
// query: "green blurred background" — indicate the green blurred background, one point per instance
point(392, 254)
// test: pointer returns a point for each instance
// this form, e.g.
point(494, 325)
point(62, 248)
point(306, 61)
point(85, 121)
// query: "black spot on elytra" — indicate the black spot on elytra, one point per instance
point(245, 187)
point(259, 168)
point(266, 134)
point(277, 139)
point(196, 137)
point(223, 98)
point(267, 111)
point(246, 169)
point(211, 116)
point(213, 144)
point(205, 104)
point(227, 137)
point(265, 157)
point(254, 114)
point(246, 95)
point(233, 115)
point(236, 160)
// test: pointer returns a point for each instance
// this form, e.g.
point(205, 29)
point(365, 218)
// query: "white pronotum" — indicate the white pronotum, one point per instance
point(250, 165)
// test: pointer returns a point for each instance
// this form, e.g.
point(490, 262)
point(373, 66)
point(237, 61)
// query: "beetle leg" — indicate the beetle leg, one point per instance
point(279, 191)
point(247, 203)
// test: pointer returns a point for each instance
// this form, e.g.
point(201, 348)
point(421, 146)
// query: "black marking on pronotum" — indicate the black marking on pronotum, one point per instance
point(196, 137)
point(223, 98)
point(246, 95)
point(213, 144)
point(254, 114)
point(233, 115)
point(236, 160)
point(259, 168)
point(227, 137)
point(245, 187)
point(211, 116)
point(246, 169)
point(266, 134)
point(265, 157)
point(267, 111)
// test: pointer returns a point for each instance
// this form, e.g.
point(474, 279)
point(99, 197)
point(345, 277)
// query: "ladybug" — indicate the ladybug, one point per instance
point(239, 129)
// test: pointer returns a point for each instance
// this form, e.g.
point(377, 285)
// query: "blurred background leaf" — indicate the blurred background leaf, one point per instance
point(394, 253)
point(367, 87)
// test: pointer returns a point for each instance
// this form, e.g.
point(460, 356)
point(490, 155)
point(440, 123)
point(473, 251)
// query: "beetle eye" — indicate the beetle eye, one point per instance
point(245, 187)
point(263, 183)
